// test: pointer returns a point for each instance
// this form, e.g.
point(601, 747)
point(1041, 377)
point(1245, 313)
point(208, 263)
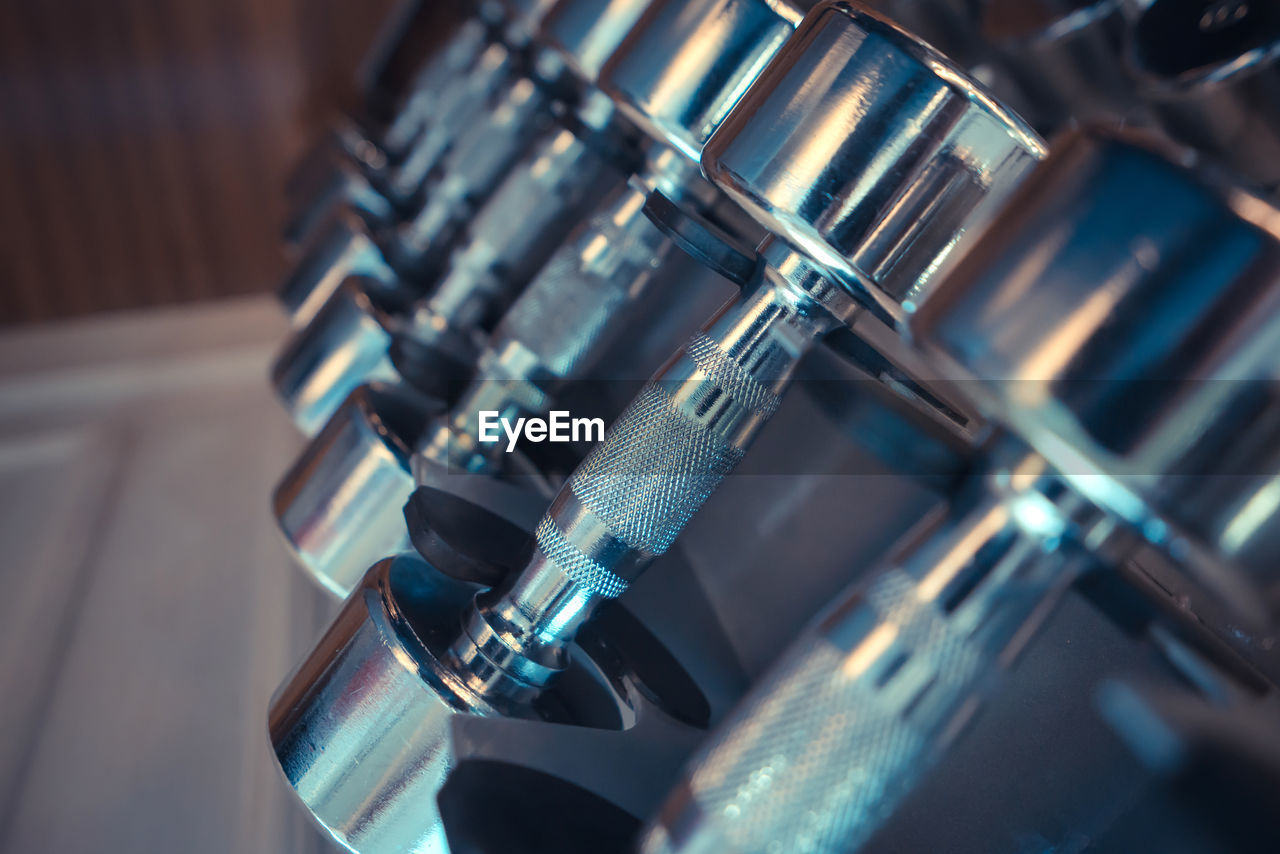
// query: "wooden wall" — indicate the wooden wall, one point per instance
point(144, 143)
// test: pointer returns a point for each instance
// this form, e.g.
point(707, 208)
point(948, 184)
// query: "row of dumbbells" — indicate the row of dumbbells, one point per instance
point(1093, 326)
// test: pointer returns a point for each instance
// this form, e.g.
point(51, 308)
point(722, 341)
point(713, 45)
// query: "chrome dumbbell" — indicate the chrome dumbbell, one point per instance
point(513, 236)
point(1209, 73)
point(844, 71)
point(536, 202)
point(590, 287)
point(490, 119)
point(875, 202)
point(372, 139)
point(352, 167)
point(575, 38)
point(1118, 320)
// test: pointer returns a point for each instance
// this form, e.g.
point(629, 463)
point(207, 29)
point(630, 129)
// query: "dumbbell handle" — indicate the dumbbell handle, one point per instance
point(431, 81)
point(682, 434)
point(832, 740)
point(561, 322)
point(662, 459)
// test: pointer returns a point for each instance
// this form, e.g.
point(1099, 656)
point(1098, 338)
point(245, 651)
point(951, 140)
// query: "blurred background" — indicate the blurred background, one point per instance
point(148, 609)
point(144, 144)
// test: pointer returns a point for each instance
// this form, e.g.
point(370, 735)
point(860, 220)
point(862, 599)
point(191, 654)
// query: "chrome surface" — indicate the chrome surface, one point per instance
point(369, 771)
point(951, 26)
point(467, 178)
point(559, 325)
point(512, 237)
point(369, 761)
point(364, 164)
point(687, 62)
point(345, 345)
point(691, 425)
point(480, 127)
point(553, 330)
point(587, 34)
point(592, 285)
point(871, 153)
point(515, 235)
point(1122, 318)
point(339, 505)
point(628, 501)
point(1070, 378)
point(463, 104)
point(431, 84)
point(547, 192)
point(345, 248)
point(864, 704)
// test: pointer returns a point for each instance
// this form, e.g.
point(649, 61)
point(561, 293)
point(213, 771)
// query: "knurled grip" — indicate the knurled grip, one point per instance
point(652, 472)
point(584, 571)
point(733, 378)
point(565, 314)
point(829, 742)
point(661, 461)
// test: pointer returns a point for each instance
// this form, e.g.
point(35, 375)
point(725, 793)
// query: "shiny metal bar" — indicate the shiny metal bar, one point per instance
point(1049, 315)
point(692, 423)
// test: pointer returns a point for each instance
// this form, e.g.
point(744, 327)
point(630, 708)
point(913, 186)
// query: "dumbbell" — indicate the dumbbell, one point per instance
point(590, 287)
point(1118, 320)
point(432, 341)
point(867, 131)
point(491, 119)
point(352, 165)
point(594, 285)
point(1208, 71)
point(566, 170)
point(870, 160)
point(397, 76)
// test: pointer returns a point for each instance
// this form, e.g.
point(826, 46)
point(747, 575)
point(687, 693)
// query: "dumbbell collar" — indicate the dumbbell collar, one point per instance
point(669, 171)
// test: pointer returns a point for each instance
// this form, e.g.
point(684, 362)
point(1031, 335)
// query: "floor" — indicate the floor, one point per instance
point(149, 609)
